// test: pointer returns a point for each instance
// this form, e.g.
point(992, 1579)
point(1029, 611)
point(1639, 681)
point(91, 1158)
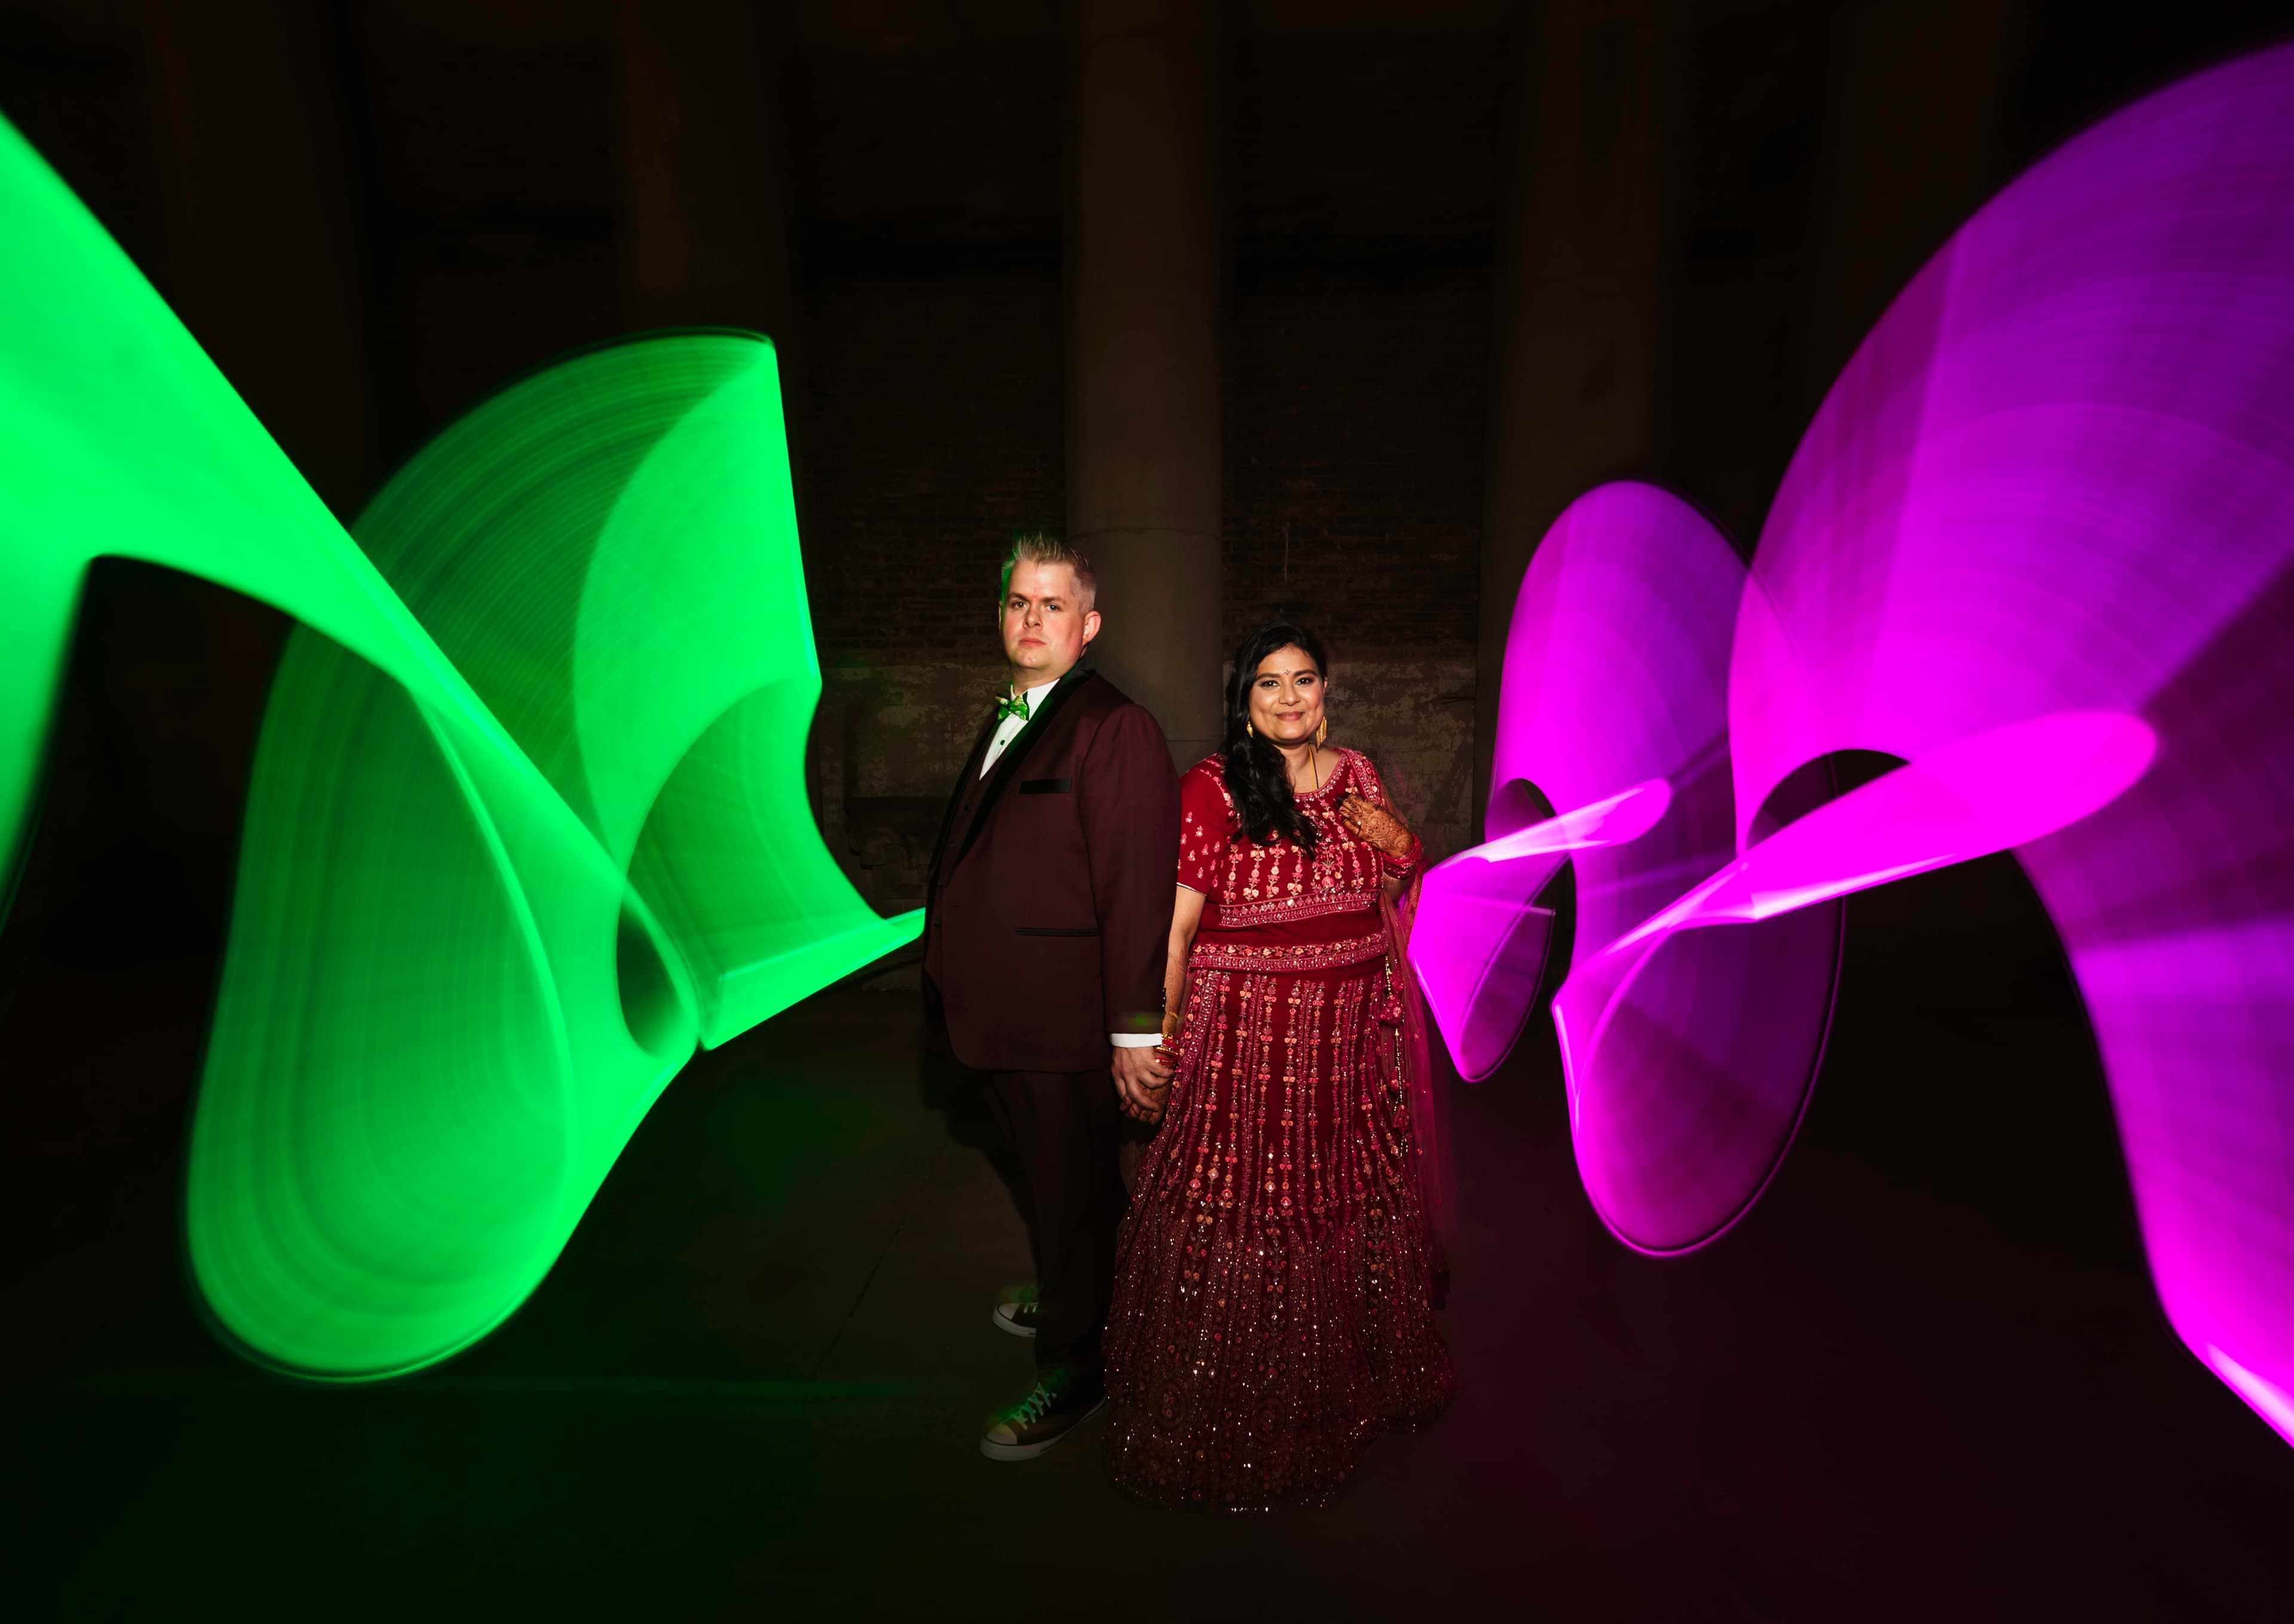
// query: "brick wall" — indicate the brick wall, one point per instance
point(1737, 381)
point(1364, 175)
point(928, 416)
point(493, 196)
point(1353, 480)
point(933, 429)
point(1361, 181)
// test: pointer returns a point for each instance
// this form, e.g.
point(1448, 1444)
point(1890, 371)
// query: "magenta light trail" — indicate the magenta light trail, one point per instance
point(1616, 673)
point(1479, 904)
point(2038, 544)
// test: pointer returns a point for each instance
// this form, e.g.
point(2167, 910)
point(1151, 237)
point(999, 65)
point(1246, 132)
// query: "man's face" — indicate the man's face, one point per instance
point(1046, 625)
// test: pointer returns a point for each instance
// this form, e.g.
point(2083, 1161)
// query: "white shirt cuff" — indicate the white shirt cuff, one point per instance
point(1135, 1040)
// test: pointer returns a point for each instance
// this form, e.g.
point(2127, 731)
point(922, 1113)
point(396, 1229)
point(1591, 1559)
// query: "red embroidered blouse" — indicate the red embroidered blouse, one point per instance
point(1275, 907)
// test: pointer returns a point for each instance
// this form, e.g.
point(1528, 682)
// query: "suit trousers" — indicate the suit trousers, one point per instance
point(1064, 1128)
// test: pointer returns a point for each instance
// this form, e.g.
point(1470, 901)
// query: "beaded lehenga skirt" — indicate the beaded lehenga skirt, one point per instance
point(1273, 1297)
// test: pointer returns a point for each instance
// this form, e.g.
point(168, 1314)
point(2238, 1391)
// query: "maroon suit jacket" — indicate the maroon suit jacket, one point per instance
point(1049, 904)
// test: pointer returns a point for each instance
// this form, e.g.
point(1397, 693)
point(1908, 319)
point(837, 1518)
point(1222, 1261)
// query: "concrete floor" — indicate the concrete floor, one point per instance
point(752, 1386)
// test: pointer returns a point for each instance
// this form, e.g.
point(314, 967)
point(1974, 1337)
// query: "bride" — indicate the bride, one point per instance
point(1274, 1290)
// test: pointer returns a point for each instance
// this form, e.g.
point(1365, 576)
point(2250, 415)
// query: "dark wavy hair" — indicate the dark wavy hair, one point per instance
point(1256, 774)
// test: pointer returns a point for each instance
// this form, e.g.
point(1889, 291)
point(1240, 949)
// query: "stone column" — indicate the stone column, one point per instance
point(707, 239)
point(1143, 464)
point(1913, 159)
point(261, 251)
point(1573, 398)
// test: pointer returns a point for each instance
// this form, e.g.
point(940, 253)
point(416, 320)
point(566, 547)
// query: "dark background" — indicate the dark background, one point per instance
point(1927, 1379)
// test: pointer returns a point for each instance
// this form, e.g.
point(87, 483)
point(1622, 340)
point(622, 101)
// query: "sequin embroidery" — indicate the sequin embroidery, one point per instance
point(1272, 1302)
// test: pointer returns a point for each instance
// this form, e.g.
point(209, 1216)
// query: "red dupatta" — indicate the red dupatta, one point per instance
point(1413, 1056)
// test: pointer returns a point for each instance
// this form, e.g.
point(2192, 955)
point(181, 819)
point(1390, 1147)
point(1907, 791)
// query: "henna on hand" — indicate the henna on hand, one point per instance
point(1379, 825)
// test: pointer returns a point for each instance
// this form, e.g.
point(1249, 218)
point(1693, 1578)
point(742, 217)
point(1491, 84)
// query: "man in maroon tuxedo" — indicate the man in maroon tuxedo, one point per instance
point(1049, 915)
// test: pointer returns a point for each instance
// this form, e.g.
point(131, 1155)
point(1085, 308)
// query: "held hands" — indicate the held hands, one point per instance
point(1143, 1084)
point(1378, 824)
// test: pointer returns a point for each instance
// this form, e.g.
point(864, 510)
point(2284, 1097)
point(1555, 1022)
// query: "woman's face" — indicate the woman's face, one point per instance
point(1285, 697)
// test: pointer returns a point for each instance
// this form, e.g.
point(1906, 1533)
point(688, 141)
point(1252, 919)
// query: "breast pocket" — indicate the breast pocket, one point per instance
point(1046, 786)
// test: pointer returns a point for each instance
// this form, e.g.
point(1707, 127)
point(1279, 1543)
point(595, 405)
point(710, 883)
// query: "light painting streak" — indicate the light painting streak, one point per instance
point(2038, 544)
point(528, 816)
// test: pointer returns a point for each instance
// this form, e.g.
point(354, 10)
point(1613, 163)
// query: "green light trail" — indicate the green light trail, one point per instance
point(527, 820)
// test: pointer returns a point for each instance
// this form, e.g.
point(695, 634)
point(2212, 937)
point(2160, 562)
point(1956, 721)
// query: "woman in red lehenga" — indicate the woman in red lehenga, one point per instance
point(1277, 1275)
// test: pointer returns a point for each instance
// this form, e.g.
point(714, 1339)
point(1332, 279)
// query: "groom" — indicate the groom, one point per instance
point(1049, 912)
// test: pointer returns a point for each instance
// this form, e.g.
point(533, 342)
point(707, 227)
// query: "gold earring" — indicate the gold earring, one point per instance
point(1249, 732)
point(1324, 732)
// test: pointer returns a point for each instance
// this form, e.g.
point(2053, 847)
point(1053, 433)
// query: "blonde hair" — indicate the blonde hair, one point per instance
point(1037, 547)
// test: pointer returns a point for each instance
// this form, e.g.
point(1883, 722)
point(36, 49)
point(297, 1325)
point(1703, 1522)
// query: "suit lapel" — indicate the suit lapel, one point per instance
point(965, 781)
point(1016, 751)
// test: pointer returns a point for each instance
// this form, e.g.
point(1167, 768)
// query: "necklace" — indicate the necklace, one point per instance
point(1313, 767)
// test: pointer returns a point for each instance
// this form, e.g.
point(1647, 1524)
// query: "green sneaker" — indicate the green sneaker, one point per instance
point(1049, 1413)
point(1019, 1310)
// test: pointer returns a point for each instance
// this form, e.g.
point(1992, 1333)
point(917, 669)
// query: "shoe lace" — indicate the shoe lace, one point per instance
point(1031, 1408)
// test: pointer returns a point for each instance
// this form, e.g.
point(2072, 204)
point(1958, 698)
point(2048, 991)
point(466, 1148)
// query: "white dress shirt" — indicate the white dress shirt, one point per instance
point(1007, 730)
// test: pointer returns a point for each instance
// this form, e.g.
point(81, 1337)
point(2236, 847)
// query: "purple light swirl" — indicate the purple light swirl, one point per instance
point(1616, 682)
point(2039, 544)
point(1615, 676)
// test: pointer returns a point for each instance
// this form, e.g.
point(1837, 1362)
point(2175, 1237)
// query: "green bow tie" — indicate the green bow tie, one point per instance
point(1012, 707)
